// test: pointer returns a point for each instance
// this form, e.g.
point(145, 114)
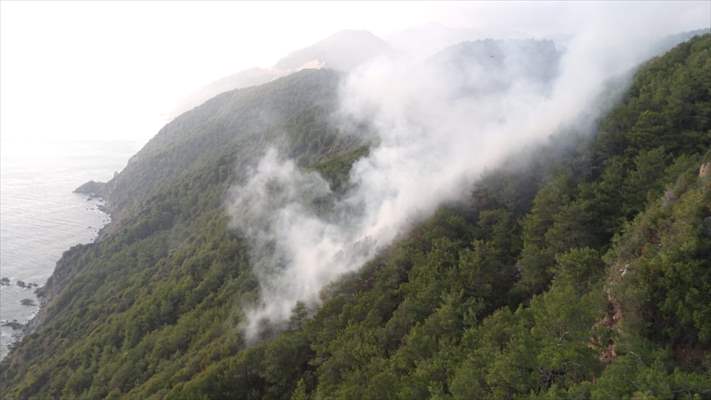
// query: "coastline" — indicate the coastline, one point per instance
point(44, 215)
point(60, 276)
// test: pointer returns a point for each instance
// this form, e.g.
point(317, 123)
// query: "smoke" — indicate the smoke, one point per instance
point(440, 123)
point(295, 250)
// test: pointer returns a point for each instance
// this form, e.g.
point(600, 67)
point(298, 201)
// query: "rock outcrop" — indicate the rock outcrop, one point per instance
point(91, 188)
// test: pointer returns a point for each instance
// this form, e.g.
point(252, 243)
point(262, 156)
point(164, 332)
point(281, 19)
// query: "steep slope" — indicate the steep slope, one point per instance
point(475, 305)
point(240, 123)
point(511, 294)
point(169, 256)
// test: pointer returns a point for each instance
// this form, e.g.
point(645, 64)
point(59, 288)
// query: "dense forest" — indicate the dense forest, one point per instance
point(580, 271)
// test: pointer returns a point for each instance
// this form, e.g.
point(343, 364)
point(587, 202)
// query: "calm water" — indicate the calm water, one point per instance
point(40, 217)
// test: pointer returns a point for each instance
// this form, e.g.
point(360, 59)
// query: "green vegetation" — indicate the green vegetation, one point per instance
point(583, 275)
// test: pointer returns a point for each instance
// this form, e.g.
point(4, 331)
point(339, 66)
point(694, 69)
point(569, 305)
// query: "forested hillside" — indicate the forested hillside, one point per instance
point(291, 114)
point(580, 272)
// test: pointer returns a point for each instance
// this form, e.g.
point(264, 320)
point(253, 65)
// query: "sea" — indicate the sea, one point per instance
point(41, 217)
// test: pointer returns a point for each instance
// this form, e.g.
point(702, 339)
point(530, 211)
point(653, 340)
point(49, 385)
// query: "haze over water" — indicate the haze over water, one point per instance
point(40, 217)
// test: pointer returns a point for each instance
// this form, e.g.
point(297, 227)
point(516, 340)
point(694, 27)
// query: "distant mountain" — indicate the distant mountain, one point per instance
point(341, 51)
point(490, 65)
point(242, 79)
point(668, 42)
point(428, 39)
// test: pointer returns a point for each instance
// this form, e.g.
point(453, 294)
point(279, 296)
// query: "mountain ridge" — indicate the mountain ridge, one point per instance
point(499, 296)
point(325, 53)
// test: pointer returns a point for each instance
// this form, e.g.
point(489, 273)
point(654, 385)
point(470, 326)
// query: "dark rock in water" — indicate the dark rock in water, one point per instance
point(5, 281)
point(91, 188)
point(28, 302)
point(13, 324)
point(22, 284)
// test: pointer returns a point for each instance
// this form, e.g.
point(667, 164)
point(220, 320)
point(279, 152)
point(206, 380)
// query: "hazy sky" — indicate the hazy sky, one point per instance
point(108, 70)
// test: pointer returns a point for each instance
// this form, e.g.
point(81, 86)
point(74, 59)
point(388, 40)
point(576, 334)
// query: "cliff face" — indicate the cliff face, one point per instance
point(705, 170)
point(66, 268)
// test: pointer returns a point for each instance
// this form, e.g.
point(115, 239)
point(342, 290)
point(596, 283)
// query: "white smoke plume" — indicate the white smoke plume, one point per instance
point(438, 129)
point(294, 251)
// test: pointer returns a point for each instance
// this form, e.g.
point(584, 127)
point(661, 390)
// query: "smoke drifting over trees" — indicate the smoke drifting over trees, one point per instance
point(439, 122)
point(523, 212)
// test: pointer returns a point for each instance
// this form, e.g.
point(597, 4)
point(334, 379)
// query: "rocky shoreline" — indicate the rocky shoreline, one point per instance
point(27, 302)
point(63, 270)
